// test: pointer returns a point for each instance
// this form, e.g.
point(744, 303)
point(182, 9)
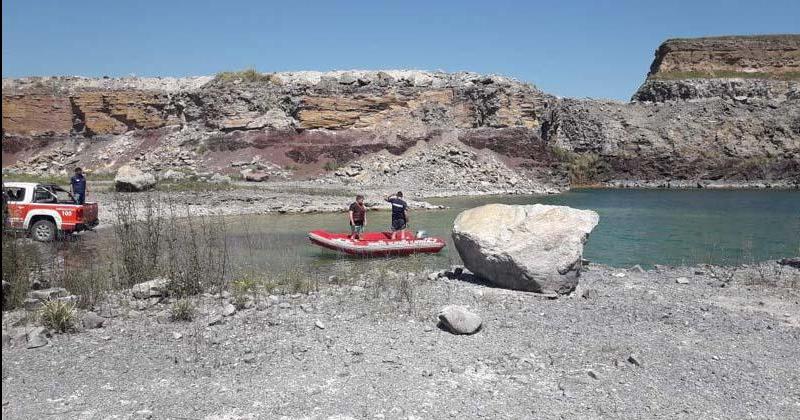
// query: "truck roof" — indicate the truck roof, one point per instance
point(20, 184)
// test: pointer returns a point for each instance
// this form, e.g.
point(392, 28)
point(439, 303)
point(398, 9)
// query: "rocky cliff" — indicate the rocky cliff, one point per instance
point(729, 67)
point(680, 127)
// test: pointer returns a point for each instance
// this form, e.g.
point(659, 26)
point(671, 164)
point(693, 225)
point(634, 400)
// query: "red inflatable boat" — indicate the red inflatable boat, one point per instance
point(376, 244)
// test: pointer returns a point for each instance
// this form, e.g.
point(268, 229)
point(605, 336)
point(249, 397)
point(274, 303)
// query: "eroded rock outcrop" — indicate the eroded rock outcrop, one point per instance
point(712, 110)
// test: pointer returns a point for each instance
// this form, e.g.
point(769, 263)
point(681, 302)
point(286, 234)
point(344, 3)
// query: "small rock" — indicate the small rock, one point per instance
point(37, 338)
point(357, 289)
point(592, 374)
point(458, 320)
point(228, 310)
point(176, 335)
point(215, 320)
point(91, 321)
point(590, 294)
point(682, 280)
point(284, 305)
point(619, 275)
point(634, 360)
point(31, 304)
point(319, 324)
point(636, 269)
point(262, 305)
point(49, 294)
point(249, 358)
point(153, 288)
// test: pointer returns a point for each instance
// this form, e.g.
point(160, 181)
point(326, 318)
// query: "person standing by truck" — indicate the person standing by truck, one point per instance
point(78, 186)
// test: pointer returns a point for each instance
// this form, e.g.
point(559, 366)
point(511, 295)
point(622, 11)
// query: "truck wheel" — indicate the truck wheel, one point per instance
point(43, 231)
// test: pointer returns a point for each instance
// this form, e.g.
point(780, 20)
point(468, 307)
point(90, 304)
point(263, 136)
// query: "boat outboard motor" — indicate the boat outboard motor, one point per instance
point(421, 234)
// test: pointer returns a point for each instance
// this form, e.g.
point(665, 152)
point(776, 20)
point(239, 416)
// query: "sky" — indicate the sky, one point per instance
point(599, 49)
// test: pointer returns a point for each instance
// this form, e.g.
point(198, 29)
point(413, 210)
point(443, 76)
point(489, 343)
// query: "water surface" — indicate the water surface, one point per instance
point(636, 227)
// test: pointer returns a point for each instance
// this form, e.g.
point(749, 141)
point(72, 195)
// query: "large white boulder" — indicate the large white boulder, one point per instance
point(131, 179)
point(535, 248)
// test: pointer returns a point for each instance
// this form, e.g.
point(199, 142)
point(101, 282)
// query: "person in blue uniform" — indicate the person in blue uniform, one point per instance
point(399, 213)
point(78, 186)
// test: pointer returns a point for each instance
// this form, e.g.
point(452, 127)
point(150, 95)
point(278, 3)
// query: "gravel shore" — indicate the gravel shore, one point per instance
point(685, 342)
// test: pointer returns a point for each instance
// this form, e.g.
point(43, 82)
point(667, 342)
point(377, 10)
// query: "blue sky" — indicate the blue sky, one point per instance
point(569, 48)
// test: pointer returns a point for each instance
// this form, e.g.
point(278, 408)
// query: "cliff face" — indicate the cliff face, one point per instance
point(729, 67)
point(772, 56)
point(685, 123)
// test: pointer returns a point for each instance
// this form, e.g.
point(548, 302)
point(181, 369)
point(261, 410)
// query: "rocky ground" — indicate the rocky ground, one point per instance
point(686, 342)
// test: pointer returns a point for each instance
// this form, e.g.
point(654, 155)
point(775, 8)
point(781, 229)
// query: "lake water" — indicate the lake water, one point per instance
point(636, 227)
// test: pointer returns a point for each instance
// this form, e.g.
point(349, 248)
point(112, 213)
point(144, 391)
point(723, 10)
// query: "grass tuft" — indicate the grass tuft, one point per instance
point(58, 316)
point(182, 310)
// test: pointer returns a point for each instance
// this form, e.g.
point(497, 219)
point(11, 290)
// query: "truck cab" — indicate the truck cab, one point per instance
point(45, 211)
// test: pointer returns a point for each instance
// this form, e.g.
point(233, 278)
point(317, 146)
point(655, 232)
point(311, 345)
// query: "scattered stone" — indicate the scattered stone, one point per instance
point(618, 275)
point(215, 320)
point(251, 175)
point(91, 321)
point(249, 358)
point(49, 294)
point(634, 360)
point(590, 294)
point(228, 309)
point(319, 324)
point(219, 179)
point(534, 248)
point(32, 304)
point(682, 280)
point(153, 288)
point(636, 269)
point(791, 262)
point(37, 337)
point(284, 305)
point(459, 320)
point(130, 179)
point(262, 305)
point(699, 273)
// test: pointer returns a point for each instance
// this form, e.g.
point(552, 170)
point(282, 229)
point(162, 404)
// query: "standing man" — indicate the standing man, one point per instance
point(358, 217)
point(399, 213)
point(78, 186)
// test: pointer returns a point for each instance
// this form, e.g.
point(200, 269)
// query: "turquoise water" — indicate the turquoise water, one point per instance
point(636, 227)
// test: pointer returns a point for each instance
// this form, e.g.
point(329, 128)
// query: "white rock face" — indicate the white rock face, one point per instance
point(132, 179)
point(535, 248)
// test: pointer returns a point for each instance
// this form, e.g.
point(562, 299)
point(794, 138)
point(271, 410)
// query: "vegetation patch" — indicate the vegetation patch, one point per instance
point(182, 310)
point(58, 316)
point(584, 169)
point(249, 75)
